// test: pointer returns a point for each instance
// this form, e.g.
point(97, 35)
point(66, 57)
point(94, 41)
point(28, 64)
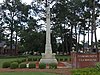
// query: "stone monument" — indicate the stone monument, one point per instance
point(48, 57)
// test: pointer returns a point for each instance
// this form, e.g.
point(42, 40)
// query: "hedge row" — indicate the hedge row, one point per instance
point(33, 59)
point(58, 59)
point(15, 65)
point(51, 66)
point(63, 59)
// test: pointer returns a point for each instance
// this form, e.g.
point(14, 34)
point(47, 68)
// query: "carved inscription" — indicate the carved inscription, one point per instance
point(87, 56)
point(91, 58)
point(87, 60)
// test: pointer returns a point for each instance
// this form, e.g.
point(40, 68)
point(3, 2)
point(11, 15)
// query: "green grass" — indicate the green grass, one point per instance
point(2, 60)
point(12, 58)
point(85, 71)
point(26, 73)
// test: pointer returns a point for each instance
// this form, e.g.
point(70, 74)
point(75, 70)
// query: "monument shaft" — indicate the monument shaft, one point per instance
point(48, 48)
point(48, 57)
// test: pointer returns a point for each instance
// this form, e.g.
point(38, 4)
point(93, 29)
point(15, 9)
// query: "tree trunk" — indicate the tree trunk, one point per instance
point(16, 43)
point(66, 43)
point(11, 41)
point(71, 34)
point(92, 36)
point(79, 36)
point(94, 25)
point(84, 41)
point(12, 23)
point(76, 39)
point(88, 32)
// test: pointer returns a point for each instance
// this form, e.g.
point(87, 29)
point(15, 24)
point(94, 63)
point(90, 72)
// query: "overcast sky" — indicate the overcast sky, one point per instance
point(29, 1)
point(25, 1)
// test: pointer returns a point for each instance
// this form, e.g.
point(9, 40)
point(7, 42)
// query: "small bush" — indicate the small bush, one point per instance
point(14, 65)
point(29, 59)
point(32, 65)
point(22, 65)
point(42, 65)
point(34, 59)
point(12, 61)
point(6, 64)
point(19, 61)
point(53, 66)
point(57, 59)
point(38, 59)
point(66, 59)
point(23, 60)
point(61, 59)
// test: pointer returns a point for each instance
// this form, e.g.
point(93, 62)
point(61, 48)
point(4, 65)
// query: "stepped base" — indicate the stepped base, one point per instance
point(48, 61)
point(48, 58)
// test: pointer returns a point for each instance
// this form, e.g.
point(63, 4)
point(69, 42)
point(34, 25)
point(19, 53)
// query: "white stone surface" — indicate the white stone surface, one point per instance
point(48, 56)
point(27, 65)
point(48, 61)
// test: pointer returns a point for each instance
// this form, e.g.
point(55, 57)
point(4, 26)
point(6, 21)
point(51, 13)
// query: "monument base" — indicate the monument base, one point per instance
point(47, 59)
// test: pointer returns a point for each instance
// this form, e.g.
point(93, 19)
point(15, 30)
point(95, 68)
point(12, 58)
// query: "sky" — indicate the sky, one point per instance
point(24, 1)
point(29, 1)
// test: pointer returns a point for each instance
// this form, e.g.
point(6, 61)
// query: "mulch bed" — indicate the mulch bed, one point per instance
point(62, 71)
point(60, 64)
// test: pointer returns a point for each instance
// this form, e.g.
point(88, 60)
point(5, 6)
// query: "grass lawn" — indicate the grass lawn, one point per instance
point(2, 60)
point(26, 73)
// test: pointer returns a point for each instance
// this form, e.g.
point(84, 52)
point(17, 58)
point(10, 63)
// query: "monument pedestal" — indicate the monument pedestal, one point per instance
point(48, 58)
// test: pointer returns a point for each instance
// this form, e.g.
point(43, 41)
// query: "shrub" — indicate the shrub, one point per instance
point(38, 59)
point(6, 64)
point(53, 66)
point(19, 61)
point(32, 65)
point(22, 65)
point(34, 59)
point(66, 59)
point(29, 59)
point(42, 65)
point(57, 59)
point(61, 59)
point(12, 61)
point(98, 66)
point(14, 65)
point(23, 60)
